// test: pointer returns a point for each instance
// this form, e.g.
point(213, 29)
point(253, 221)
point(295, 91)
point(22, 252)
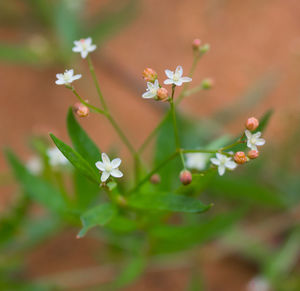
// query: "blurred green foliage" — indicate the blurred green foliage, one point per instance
point(47, 29)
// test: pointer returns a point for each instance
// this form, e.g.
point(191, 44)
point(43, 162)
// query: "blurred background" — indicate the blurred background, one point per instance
point(255, 64)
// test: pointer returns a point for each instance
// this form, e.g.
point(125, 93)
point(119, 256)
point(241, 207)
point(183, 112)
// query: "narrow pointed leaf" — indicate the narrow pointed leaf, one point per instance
point(76, 160)
point(99, 215)
point(166, 201)
point(81, 141)
point(36, 188)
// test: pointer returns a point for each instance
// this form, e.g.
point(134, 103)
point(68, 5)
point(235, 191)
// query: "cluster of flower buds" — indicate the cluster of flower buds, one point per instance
point(198, 48)
point(155, 90)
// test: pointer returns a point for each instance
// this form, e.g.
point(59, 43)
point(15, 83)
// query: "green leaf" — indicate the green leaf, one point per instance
point(81, 141)
point(37, 189)
point(285, 258)
point(246, 190)
point(122, 224)
point(264, 120)
point(76, 160)
point(18, 54)
point(110, 20)
point(99, 215)
point(132, 270)
point(167, 202)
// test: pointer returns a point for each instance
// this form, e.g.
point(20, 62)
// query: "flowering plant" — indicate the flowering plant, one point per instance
point(155, 210)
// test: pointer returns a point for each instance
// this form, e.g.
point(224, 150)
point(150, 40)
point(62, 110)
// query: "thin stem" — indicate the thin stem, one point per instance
point(155, 170)
point(200, 151)
point(93, 73)
point(98, 110)
point(180, 97)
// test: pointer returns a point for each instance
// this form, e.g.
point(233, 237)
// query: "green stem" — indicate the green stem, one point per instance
point(155, 170)
point(96, 109)
point(180, 97)
point(93, 73)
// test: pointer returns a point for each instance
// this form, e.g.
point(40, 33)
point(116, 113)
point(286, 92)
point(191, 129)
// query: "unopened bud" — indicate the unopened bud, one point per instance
point(196, 43)
point(240, 158)
point(185, 177)
point(162, 94)
point(155, 179)
point(149, 75)
point(253, 154)
point(204, 49)
point(207, 84)
point(252, 123)
point(81, 110)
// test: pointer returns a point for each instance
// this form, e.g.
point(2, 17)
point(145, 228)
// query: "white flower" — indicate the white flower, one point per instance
point(151, 90)
point(109, 168)
point(196, 161)
point(254, 140)
point(176, 77)
point(258, 284)
point(84, 46)
point(34, 165)
point(56, 158)
point(67, 77)
point(223, 162)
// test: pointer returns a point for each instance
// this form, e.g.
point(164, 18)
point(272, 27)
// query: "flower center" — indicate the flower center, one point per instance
point(176, 77)
point(108, 168)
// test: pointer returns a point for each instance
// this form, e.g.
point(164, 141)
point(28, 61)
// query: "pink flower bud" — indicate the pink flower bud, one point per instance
point(149, 75)
point(196, 43)
point(162, 94)
point(155, 179)
point(240, 158)
point(185, 177)
point(253, 154)
point(252, 123)
point(81, 110)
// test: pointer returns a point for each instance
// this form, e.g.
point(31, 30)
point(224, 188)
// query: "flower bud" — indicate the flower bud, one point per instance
point(207, 84)
point(196, 43)
point(252, 123)
point(149, 75)
point(185, 177)
point(162, 94)
point(155, 179)
point(81, 110)
point(240, 158)
point(253, 154)
point(204, 49)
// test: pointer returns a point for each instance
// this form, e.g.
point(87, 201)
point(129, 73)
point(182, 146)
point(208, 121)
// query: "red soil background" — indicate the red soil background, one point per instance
point(248, 38)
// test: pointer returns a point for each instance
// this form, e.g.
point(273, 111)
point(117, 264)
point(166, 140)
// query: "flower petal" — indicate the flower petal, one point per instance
point(248, 134)
point(178, 83)
point(169, 74)
point(84, 54)
point(100, 166)
point(148, 94)
point(215, 161)
point(179, 71)
point(220, 156)
point(115, 163)
point(168, 81)
point(186, 79)
point(105, 175)
point(260, 142)
point(116, 173)
point(59, 82)
point(230, 165)
point(257, 134)
point(221, 170)
point(105, 159)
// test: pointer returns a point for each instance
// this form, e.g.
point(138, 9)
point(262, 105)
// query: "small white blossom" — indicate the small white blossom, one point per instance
point(254, 140)
point(34, 165)
point(56, 158)
point(151, 90)
point(67, 77)
point(258, 284)
point(223, 162)
point(109, 168)
point(196, 161)
point(84, 46)
point(176, 77)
